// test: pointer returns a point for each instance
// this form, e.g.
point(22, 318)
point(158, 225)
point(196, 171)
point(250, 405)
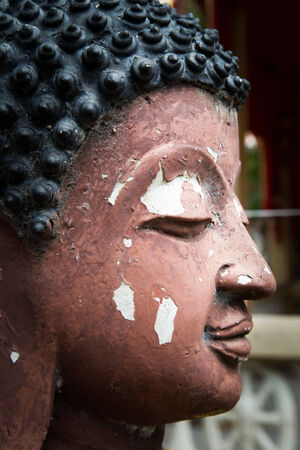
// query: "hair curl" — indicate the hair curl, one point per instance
point(66, 63)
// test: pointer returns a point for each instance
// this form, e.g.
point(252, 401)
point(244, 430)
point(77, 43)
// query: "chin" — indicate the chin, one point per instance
point(212, 399)
point(222, 395)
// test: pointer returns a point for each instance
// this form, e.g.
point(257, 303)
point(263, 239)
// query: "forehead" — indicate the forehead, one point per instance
point(182, 114)
point(187, 115)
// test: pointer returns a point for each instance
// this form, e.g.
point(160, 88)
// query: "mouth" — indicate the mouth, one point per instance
point(230, 340)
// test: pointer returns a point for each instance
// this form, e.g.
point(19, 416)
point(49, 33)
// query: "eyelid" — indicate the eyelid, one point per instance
point(177, 226)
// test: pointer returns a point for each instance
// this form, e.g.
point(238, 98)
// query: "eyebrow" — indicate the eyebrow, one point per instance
point(203, 154)
point(175, 159)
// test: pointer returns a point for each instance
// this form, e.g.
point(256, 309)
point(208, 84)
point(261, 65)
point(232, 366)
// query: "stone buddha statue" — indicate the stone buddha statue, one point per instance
point(125, 264)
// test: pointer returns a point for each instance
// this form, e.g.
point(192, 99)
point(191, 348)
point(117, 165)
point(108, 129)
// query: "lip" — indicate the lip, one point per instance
point(230, 340)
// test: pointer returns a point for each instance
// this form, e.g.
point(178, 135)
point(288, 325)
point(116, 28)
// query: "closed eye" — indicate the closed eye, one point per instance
point(178, 227)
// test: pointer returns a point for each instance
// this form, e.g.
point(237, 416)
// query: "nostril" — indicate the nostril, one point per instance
point(224, 270)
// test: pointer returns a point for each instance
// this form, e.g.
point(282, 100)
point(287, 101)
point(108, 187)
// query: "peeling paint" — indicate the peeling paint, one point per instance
point(164, 197)
point(237, 205)
point(86, 206)
point(164, 323)
point(217, 217)
point(137, 163)
point(124, 300)
point(212, 153)
point(133, 260)
point(244, 279)
point(224, 272)
point(267, 270)
point(14, 356)
point(104, 175)
point(119, 184)
point(127, 242)
point(116, 191)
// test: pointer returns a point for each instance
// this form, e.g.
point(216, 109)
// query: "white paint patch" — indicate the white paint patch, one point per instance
point(123, 298)
point(164, 197)
point(116, 191)
point(104, 175)
point(137, 163)
point(210, 253)
point(212, 153)
point(86, 206)
point(237, 205)
point(164, 323)
point(127, 242)
point(14, 356)
point(224, 272)
point(244, 279)
point(267, 270)
point(255, 249)
point(119, 185)
point(134, 260)
point(200, 279)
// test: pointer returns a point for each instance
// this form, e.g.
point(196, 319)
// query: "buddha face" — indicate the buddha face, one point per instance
point(144, 290)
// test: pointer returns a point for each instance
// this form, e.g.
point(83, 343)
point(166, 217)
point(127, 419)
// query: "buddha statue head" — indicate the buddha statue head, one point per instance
point(125, 262)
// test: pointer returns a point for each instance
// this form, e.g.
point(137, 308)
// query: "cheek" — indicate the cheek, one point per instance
point(172, 288)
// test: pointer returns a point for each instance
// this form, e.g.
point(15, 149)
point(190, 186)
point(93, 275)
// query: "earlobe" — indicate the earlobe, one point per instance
point(27, 388)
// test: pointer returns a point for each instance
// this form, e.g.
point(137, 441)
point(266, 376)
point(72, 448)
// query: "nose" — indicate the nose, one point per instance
point(246, 275)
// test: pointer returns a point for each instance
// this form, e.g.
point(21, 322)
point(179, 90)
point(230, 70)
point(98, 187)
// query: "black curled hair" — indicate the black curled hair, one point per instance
point(66, 63)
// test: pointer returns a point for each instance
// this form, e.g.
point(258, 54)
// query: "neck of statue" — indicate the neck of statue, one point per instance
point(73, 429)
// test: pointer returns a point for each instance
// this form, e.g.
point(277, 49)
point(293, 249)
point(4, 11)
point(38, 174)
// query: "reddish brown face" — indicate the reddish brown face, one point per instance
point(145, 288)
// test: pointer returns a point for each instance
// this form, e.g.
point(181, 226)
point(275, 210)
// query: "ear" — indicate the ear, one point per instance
point(27, 358)
point(26, 397)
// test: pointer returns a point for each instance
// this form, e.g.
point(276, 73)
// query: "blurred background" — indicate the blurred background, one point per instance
point(264, 35)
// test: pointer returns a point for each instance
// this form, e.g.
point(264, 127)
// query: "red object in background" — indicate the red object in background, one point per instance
point(272, 66)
